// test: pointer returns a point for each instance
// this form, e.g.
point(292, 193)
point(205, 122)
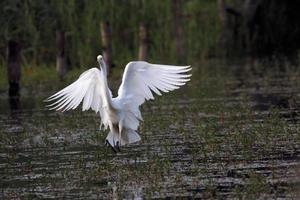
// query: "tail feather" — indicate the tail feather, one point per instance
point(128, 136)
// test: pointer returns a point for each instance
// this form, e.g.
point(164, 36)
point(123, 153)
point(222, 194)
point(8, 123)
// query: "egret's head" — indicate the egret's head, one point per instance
point(101, 62)
point(99, 59)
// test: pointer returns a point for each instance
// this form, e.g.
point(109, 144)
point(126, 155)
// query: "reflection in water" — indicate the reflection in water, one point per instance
point(14, 103)
point(14, 73)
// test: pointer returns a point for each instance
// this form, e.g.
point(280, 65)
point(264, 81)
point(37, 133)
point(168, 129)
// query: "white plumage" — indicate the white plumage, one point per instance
point(121, 114)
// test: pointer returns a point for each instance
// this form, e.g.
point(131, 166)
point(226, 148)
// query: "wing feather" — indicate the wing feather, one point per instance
point(141, 79)
point(88, 89)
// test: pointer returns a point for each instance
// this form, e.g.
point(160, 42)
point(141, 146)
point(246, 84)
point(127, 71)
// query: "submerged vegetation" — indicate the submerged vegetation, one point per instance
point(219, 137)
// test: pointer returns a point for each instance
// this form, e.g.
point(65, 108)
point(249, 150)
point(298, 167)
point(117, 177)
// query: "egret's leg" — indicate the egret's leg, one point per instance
point(120, 130)
point(118, 146)
point(108, 143)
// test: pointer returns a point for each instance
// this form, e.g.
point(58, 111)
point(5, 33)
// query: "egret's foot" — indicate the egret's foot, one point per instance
point(118, 146)
point(108, 144)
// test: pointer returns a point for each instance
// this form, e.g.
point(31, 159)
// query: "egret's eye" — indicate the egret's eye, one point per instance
point(99, 58)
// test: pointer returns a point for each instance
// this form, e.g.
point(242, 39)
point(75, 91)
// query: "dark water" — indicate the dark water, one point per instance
point(223, 139)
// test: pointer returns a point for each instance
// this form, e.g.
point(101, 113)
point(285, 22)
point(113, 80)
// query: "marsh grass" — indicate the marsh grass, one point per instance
point(219, 137)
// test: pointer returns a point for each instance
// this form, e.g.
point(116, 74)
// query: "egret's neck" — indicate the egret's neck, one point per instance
point(104, 68)
point(108, 99)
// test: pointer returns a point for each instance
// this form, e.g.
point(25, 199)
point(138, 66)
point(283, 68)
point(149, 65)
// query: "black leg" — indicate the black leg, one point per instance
point(107, 142)
point(118, 146)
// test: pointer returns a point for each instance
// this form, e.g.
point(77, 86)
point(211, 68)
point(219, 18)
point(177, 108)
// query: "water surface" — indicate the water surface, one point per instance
point(228, 138)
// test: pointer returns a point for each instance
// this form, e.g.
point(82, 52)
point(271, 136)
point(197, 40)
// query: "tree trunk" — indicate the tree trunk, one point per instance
point(178, 30)
point(106, 46)
point(230, 21)
point(143, 42)
point(223, 21)
point(14, 74)
point(61, 60)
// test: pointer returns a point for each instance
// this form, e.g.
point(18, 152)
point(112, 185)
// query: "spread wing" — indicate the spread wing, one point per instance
point(88, 88)
point(141, 79)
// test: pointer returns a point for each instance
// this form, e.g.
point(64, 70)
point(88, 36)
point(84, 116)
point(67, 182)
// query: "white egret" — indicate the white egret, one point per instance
point(121, 114)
